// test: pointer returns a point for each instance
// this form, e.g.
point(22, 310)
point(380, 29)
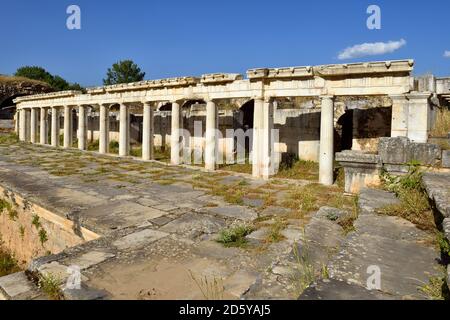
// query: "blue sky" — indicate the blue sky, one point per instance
point(181, 38)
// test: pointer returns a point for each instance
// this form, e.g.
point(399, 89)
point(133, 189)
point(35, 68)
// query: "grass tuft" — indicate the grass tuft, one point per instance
point(414, 204)
point(234, 236)
point(50, 285)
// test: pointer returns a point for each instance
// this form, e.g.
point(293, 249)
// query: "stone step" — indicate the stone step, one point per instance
point(17, 286)
point(390, 245)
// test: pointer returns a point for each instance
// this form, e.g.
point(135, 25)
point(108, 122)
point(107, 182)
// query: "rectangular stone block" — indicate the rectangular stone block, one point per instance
point(425, 153)
point(446, 159)
point(394, 150)
point(400, 150)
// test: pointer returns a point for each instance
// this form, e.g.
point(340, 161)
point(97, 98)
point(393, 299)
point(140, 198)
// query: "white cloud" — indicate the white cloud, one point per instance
point(447, 54)
point(371, 49)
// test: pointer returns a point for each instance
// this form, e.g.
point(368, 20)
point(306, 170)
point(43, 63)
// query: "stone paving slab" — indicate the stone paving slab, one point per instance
point(193, 225)
point(17, 287)
point(404, 266)
point(91, 258)
point(391, 244)
point(234, 212)
point(372, 199)
point(340, 290)
point(438, 189)
point(119, 214)
point(139, 239)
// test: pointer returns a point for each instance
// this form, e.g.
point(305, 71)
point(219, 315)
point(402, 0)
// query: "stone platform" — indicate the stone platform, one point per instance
point(157, 226)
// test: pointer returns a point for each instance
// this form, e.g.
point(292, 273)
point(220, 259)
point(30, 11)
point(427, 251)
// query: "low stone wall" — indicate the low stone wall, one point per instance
point(436, 186)
point(394, 156)
point(29, 231)
point(6, 124)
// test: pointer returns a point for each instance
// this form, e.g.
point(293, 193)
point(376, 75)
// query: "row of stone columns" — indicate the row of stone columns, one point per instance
point(263, 142)
point(28, 125)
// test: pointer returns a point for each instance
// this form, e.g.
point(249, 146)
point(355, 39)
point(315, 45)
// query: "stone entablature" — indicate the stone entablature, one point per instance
point(443, 86)
point(51, 95)
point(220, 78)
point(373, 78)
point(380, 67)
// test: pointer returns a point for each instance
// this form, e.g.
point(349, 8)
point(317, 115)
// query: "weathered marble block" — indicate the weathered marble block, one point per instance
point(361, 170)
point(446, 159)
point(400, 151)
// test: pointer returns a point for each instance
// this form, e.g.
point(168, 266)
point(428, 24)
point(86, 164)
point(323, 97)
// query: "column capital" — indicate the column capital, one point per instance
point(327, 96)
point(398, 96)
point(148, 103)
point(419, 95)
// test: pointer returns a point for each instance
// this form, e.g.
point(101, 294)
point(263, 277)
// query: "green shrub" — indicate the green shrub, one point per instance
point(114, 147)
point(234, 236)
point(36, 222)
point(8, 264)
point(43, 237)
point(414, 204)
point(50, 285)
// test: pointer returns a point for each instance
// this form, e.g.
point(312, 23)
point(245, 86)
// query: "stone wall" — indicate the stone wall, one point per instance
point(29, 231)
point(359, 124)
point(12, 87)
point(395, 156)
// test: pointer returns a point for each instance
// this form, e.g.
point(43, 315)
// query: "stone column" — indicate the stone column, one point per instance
point(33, 125)
point(55, 127)
point(258, 126)
point(17, 122)
point(326, 141)
point(43, 135)
point(399, 124)
point(104, 129)
point(82, 128)
point(147, 132)
point(124, 131)
point(68, 127)
point(267, 156)
point(175, 134)
point(419, 117)
point(211, 143)
point(22, 125)
point(27, 125)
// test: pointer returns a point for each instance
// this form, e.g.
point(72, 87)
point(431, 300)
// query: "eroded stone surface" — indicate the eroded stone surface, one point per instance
point(340, 290)
point(91, 258)
point(234, 212)
point(16, 287)
point(138, 239)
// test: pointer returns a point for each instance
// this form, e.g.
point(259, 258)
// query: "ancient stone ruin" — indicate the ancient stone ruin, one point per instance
point(153, 227)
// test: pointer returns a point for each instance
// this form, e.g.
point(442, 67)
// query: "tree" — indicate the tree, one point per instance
point(59, 83)
point(125, 71)
point(39, 73)
point(34, 73)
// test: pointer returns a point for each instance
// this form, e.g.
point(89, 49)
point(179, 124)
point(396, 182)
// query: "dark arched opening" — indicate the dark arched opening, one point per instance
point(243, 120)
point(166, 107)
point(344, 132)
point(8, 108)
point(247, 111)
